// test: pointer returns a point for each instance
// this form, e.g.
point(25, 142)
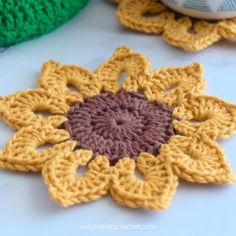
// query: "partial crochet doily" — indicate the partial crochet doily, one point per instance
point(151, 16)
point(156, 123)
point(21, 20)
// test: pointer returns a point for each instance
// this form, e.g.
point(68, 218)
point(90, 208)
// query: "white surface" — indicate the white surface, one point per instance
point(88, 40)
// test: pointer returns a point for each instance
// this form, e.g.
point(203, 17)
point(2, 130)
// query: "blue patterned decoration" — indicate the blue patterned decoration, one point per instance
point(207, 5)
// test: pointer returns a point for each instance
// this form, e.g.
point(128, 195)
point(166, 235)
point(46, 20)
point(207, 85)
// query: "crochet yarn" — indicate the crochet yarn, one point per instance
point(22, 20)
point(115, 130)
point(152, 17)
point(121, 125)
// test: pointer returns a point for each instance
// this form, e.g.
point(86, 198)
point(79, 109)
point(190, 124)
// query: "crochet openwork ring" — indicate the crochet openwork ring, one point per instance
point(152, 17)
point(145, 125)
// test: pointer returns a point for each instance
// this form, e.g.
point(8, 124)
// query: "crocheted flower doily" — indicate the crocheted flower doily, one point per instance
point(151, 16)
point(156, 123)
point(22, 20)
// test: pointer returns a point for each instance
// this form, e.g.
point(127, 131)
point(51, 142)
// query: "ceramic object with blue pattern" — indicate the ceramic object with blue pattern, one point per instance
point(205, 9)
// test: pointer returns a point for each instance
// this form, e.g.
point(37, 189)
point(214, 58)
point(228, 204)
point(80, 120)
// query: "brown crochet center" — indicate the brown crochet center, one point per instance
point(119, 125)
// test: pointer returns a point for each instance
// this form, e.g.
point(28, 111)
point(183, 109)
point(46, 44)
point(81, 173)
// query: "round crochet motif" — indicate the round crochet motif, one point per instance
point(121, 125)
point(192, 153)
point(22, 20)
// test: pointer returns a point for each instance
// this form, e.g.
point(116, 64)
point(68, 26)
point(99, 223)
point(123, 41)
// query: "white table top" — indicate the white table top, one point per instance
point(87, 40)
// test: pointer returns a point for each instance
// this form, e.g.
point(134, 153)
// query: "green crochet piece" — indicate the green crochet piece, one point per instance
point(21, 20)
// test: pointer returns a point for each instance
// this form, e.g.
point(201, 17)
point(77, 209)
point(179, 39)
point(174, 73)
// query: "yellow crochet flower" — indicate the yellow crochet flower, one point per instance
point(151, 116)
point(153, 17)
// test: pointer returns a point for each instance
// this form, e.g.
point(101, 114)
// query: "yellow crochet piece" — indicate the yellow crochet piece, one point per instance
point(192, 153)
point(152, 17)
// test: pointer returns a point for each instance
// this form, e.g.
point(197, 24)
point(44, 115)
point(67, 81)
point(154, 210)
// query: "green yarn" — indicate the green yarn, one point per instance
point(21, 20)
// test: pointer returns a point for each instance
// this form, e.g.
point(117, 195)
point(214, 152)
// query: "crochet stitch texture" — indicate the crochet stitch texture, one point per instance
point(22, 20)
point(152, 17)
point(191, 152)
point(119, 125)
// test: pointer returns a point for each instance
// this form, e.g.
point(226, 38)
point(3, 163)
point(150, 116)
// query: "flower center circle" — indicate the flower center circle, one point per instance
point(119, 125)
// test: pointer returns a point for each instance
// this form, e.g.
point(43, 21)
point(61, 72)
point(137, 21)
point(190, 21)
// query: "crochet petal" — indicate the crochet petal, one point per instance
point(178, 33)
point(57, 79)
point(135, 15)
point(154, 192)
point(20, 109)
point(206, 115)
point(124, 60)
point(173, 84)
point(66, 188)
point(227, 29)
point(198, 160)
point(21, 154)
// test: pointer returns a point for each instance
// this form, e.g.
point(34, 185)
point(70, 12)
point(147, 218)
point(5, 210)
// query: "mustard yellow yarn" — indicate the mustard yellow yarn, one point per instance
point(192, 154)
point(151, 16)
